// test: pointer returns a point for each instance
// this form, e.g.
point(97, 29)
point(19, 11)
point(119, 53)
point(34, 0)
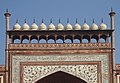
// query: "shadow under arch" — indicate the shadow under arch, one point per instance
point(25, 39)
point(94, 39)
point(33, 39)
point(103, 38)
point(16, 39)
point(60, 77)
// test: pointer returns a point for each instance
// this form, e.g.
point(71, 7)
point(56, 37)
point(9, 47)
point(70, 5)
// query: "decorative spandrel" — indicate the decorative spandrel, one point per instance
point(85, 72)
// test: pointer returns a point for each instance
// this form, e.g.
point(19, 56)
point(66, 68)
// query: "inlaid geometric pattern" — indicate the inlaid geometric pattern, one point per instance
point(85, 72)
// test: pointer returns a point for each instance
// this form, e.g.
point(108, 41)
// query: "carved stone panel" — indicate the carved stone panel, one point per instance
point(88, 73)
point(85, 71)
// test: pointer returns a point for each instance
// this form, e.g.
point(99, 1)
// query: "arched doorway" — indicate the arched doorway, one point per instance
point(60, 77)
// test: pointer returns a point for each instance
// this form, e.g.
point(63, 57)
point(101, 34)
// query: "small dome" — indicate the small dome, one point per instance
point(85, 26)
point(60, 26)
point(77, 26)
point(94, 26)
point(34, 26)
point(103, 26)
point(25, 26)
point(16, 26)
point(43, 26)
point(68, 26)
point(51, 26)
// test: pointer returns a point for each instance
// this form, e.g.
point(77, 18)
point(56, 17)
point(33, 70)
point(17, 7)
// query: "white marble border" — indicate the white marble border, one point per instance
point(16, 59)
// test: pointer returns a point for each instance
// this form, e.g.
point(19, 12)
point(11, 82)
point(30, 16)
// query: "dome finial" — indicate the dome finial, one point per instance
point(25, 20)
point(76, 20)
point(33, 20)
point(51, 20)
point(16, 20)
point(67, 20)
point(42, 20)
point(59, 21)
point(7, 11)
point(102, 20)
point(93, 20)
point(111, 9)
point(84, 20)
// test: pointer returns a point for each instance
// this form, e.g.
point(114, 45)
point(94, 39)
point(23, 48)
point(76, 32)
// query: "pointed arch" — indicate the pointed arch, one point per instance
point(60, 77)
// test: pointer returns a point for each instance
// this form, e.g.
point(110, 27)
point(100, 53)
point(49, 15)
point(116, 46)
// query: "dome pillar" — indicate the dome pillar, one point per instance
point(7, 17)
point(20, 39)
point(112, 14)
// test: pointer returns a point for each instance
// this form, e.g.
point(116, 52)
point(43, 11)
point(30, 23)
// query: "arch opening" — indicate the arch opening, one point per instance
point(76, 41)
point(17, 41)
point(42, 41)
point(60, 77)
point(59, 41)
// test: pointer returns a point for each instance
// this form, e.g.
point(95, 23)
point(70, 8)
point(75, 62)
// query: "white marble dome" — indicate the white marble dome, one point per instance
point(16, 26)
point(25, 26)
point(85, 26)
point(51, 26)
point(42, 26)
point(77, 26)
point(103, 26)
point(94, 27)
point(34, 26)
point(68, 26)
point(60, 26)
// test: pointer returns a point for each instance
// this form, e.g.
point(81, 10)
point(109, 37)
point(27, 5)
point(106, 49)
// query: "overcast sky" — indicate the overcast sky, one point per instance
point(55, 9)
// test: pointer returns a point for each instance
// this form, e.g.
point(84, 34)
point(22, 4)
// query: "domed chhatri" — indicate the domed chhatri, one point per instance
point(85, 26)
point(16, 26)
point(34, 26)
point(103, 26)
point(68, 26)
point(60, 26)
point(77, 26)
point(94, 26)
point(42, 26)
point(25, 26)
point(51, 26)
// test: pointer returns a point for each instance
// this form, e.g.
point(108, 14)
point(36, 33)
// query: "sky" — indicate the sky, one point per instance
point(63, 9)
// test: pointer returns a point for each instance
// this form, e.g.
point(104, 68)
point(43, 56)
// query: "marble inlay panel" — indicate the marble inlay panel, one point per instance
point(104, 58)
